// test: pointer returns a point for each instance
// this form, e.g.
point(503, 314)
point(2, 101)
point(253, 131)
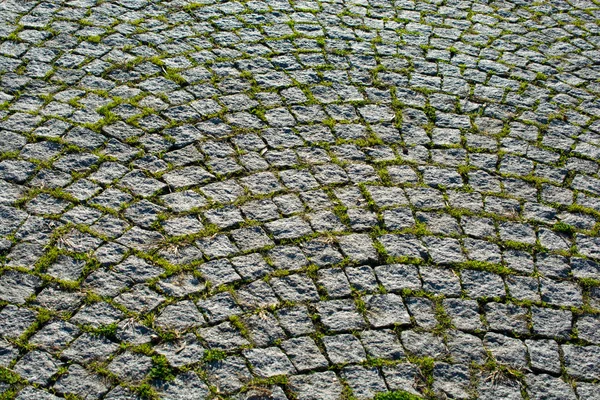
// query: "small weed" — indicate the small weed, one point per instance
point(146, 391)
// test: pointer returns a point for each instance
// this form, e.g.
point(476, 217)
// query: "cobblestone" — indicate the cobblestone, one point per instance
point(299, 200)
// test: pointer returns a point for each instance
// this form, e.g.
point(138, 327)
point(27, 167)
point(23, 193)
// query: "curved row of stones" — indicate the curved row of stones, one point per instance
point(299, 199)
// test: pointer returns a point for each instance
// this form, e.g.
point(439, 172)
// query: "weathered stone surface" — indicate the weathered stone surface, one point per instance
point(269, 362)
point(81, 382)
point(317, 386)
point(231, 191)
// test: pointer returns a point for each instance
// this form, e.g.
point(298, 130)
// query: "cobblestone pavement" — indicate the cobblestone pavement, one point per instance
point(301, 200)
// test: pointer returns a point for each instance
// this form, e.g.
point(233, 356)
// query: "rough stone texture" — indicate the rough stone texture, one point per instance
point(451, 380)
point(547, 387)
point(317, 386)
point(269, 362)
point(299, 188)
point(81, 382)
point(185, 386)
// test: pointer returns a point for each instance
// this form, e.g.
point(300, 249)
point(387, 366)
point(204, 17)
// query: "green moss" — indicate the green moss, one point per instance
point(430, 112)
point(93, 39)
point(485, 266)
point(7, 376)
point(108, 331)
point(237, 322)
point(146, 391)
point(562, 227)
point(214, 355)
point(161, 369)
point(511, 244)
point(397, 395)
point(589, 282)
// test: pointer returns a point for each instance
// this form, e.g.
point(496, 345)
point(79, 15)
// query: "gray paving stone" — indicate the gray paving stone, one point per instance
point(464, 314)
point(31, 393)
point(544, 355)
point(287, 257)
point(507, 318)
point(131, 367)
point(440, 281)
point(184, 351)
point(229, 375)
point(218, 307)
point(317, 386)
point(493, 389)
point(140, 299)
point(140, 239)
point(395, 277)
point(186, 385)
point(362, 278)
point(364, 382)
point(451, 380)
point(506, 350)
point(415, 343)
point(465, 348)
point(340, 315)
point(523, 288)
point(8, 353)
point(344, 349)
point(401, 377)
point(288, 228)
point(263, 329)
point(561, 293)
point(223, 337)
point(547, 387)
point(80, 382)
point(386, 310)
point(97, 314)
point(482, 284)
point(256, 295)
point(272, 392)
point(304, 354)
point(37, 367)
point(335, 282)
point(219, 272)
point(423, 311)
point(269, 362)
point(358, 247)
point(587, 328)
point(298, 287)
point(580, 361)
point(55, 335)
point(382, 344)
point(587, 390)
point(16, 321)
point(295, 320)
point(16, 287)
point(87, 348)
point(551, 323)
point(403, 246)
point(180, 316)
